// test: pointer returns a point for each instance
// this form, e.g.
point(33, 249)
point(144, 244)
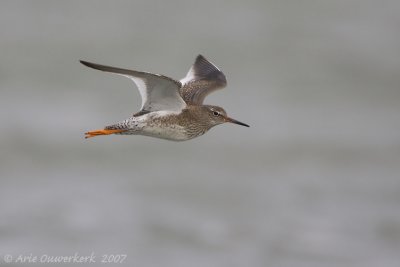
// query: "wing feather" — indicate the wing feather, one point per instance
point(202, 79)
point(158, 92)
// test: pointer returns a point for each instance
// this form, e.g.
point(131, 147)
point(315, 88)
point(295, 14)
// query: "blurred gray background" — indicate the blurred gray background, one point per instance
point(314, 182)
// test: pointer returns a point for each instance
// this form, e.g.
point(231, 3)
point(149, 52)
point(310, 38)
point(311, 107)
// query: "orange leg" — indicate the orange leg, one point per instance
point(102, 132)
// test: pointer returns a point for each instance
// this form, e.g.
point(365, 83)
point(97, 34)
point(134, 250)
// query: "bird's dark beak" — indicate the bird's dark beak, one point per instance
point(227, 119)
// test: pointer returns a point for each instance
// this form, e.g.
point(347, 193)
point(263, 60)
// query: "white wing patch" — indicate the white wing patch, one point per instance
point(158, 92)
point(141, 85)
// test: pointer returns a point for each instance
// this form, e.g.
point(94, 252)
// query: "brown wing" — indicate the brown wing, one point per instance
point(202, 79)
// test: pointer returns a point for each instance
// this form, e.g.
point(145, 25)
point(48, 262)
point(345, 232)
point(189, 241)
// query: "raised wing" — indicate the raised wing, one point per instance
point(158, 92)
point(202, 79)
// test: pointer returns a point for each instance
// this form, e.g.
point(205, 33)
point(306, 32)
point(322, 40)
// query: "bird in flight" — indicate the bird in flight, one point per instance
point(171, 109)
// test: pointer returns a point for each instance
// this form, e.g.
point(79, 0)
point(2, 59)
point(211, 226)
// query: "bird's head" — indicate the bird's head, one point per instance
point(217, 115)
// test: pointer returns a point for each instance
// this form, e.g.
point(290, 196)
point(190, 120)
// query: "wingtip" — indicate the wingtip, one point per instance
point(200, 58)
point(86, 63)
point(94, 65)
point(205, 69)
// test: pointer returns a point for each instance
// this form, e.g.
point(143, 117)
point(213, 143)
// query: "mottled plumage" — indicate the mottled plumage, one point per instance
point(202, 79)
point(171, 109)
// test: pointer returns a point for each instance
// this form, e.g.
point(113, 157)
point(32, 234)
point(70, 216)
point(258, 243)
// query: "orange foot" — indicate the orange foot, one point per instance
point(102, 132)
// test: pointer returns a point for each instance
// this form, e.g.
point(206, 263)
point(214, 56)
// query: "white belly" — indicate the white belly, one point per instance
point(175, 133)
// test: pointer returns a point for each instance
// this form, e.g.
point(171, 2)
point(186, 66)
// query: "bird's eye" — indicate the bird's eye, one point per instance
point(216, 113)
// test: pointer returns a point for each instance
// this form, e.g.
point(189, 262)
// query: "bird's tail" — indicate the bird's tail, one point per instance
point(103, 132)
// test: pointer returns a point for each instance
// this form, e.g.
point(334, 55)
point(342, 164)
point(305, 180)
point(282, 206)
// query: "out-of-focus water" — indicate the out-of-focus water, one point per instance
point(314, 182)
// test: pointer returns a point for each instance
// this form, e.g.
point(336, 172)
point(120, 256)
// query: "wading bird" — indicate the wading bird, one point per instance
point(171, 109)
